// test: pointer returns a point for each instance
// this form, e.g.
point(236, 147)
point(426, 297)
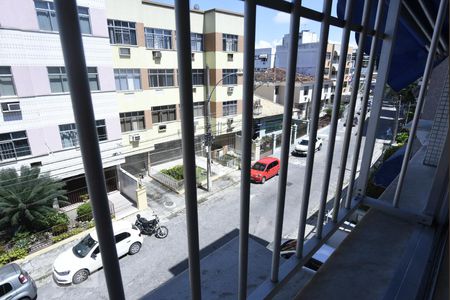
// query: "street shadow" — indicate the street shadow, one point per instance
point(184, 264)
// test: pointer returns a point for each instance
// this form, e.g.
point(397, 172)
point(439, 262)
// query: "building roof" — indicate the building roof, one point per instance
point(267, 108)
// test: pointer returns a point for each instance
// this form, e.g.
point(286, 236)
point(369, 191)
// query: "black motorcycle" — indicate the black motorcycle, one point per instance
point(150, 227)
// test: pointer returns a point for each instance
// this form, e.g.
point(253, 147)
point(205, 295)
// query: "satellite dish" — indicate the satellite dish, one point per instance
point(196, 7)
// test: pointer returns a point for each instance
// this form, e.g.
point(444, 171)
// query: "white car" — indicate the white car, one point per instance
point(76, 264)
point(302, 146)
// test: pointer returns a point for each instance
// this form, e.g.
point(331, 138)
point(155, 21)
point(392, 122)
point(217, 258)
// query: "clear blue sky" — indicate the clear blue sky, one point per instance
point(272, 25)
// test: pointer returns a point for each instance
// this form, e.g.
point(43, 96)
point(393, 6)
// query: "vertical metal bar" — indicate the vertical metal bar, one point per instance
point(208, 132)
point(351, 111)
point(182, 21)
point(432, 23)
point(383, 70)
point(417, 21)
point(442, 12)
point(287, 120)
point(247, 130)
point(72, 46)
point(335, 115)
point(317, 93)
point(367, 85)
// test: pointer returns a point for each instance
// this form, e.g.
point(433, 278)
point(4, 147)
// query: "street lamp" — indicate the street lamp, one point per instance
point(208, 134)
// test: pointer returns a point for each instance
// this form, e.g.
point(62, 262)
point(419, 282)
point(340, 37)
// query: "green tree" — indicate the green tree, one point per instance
point(26, 197)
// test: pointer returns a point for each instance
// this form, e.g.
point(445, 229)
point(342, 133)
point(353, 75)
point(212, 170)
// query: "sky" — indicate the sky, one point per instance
point(272, 25)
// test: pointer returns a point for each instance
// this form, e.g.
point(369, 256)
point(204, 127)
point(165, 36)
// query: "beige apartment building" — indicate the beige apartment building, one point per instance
point(143, 41)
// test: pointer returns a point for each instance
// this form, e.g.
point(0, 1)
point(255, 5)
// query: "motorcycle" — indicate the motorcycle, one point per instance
point(150, 227)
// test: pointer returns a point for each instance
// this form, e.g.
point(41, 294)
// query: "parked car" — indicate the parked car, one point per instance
point(15, 283)
point(76, 264)
point(302, 146)
point(264, 169)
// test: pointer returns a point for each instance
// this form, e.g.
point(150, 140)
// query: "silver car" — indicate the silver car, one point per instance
point(15, 283)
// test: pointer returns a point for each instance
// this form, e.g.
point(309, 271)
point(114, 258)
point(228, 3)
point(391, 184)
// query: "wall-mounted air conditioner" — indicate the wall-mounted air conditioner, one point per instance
point(156, 54)
point(230, 90)
point(230, 56)
point(162, 128)
point(11, 107)
point(135, 138)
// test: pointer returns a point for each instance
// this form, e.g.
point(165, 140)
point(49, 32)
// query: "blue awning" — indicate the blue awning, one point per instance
point(389, 170)
point(410, 53)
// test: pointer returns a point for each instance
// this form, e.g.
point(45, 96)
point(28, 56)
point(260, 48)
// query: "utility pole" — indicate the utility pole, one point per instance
point(208, 133)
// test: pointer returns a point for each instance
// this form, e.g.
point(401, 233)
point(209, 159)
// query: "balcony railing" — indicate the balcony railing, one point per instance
point(344, 203)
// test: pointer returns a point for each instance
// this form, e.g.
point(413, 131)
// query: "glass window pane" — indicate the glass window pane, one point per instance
point(6, 86)
point(55, 84)
point(65, 83)
point(54, 21)
point(44, 20)
point(93, 82)
point(85, 25)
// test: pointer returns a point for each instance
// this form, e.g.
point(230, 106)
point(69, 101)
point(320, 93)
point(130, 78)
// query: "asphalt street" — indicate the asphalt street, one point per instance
point(160, 260)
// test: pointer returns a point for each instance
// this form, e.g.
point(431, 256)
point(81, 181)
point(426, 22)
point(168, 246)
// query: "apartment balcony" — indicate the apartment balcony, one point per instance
point(399, 249)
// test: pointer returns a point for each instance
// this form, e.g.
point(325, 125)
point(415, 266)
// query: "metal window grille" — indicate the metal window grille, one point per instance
point(14, 145)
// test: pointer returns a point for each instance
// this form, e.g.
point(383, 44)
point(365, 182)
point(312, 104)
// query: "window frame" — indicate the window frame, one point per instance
point(229, 80)
point(230, 42)
point(129, 75)
point(13, 147)
point(162, 78)
point(133, 119)
point(99, 125)
point(158, 111)
point(195, 39)
point(198, 77)
point(122, 27)
point(61, 76)
point(199, 107)
point(93, 71)
point(164, 37)
point(11, 77)
point(229, 108)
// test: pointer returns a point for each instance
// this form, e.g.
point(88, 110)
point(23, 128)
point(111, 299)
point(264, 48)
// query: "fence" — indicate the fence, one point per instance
point(170, 182)
point(229, 161)
point(81, 194)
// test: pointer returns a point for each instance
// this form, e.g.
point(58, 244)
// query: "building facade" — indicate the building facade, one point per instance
point(37, 126)
point(263, 59)
point(142, 38)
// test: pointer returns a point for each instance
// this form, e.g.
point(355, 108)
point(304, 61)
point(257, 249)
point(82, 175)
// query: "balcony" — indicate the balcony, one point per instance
point(397, 251)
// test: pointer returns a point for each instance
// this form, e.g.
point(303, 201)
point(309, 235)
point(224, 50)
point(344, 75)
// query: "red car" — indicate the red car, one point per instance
point(264, 169)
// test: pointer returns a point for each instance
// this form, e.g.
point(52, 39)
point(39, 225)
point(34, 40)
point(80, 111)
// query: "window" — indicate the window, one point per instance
point(127, 79)
point(326, 71)
point(158, 38)
point(229, 76)
point(122, 32)
point(333, 88)
point(69, 134)
point(230, 42)
point(160, 77)
point(59, 83)
point(164, 113)
point(131, 121)
point(93, 78)
point(5, 289)
point(328, 55)
point(229, 108)
point(199, 109)
point(198, 77)
point(196, 42)
point(345, 84)
point(305, 91)
point(14, 145)
point(6, 82)
point(85, 23)
point(325, 87)
point(46, 15)
point(122, 236)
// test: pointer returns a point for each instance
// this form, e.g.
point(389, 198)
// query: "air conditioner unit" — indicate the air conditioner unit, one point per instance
point(229, 121)
point(230, 89)
point(124, 52)
point(230, 56)
point(156, 54)
point(162, 128)
point(11, 107)
point(135, 138)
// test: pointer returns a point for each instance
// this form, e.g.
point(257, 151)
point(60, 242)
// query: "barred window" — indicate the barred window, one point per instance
point(127, 79)
point(198, 77)
point(229, 108)
point(199, 109)
point(229, 76)
point(160, 77)
point(230, 42)
point(6, 82)
point(132, 121)
point(158, 38)
point(196, 42)
point(14, 145)
point(122, 32)
point(164, 113)
point(69, 133)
